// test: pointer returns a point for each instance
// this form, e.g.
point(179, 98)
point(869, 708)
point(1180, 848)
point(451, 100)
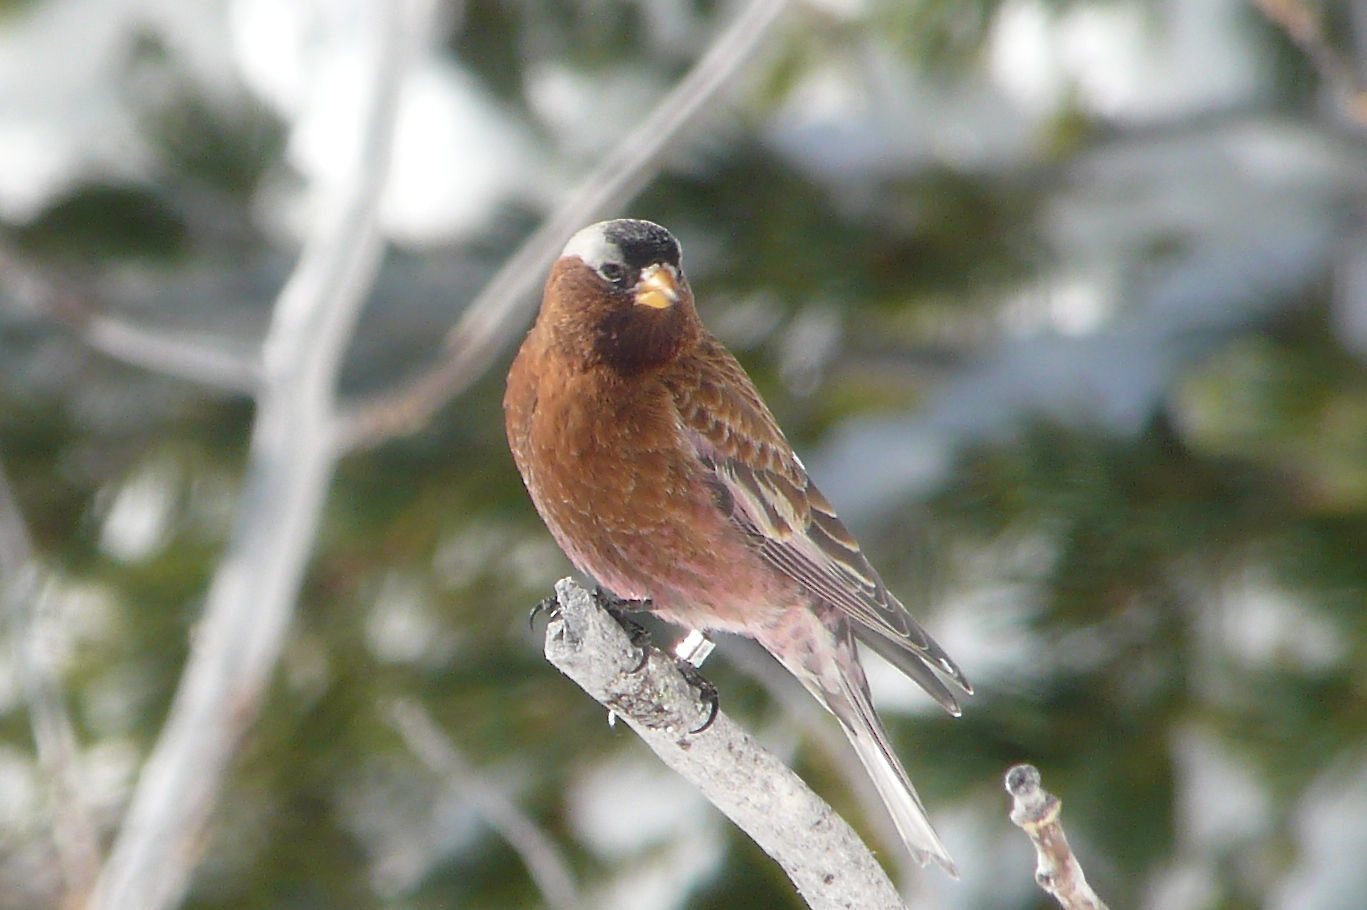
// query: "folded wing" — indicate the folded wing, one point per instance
point(767, 492)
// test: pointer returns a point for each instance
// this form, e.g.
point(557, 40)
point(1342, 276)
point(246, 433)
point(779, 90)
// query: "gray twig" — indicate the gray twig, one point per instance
point(503, 306)
point(73, 830)
point(1036, 811)
point(826, 860)
point(1302, 24)
point(290, 465)
point(539, 853)
point(177, 354)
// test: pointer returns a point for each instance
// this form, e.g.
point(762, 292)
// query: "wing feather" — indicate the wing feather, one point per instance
point(765, 489)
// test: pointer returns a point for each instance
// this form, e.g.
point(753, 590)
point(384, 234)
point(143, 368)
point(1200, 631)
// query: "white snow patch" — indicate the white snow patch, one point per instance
point(1329, 826)
point(621, 807)
point(140, 515)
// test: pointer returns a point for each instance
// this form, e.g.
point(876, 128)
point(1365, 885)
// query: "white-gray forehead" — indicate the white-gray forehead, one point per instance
point(592, 245)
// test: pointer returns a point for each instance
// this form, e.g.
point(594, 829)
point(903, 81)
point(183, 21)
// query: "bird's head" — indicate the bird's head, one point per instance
point(618, 296)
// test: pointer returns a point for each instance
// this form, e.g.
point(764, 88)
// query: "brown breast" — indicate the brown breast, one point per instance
point(621, 489)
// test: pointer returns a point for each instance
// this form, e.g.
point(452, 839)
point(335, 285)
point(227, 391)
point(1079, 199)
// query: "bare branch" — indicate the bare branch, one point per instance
point(1036, 811)
point(826, 860)
point(73, 831)
point(1303, 26)
point(538, 851)
point(504, 305)
point(251, 599)
point(176, 354)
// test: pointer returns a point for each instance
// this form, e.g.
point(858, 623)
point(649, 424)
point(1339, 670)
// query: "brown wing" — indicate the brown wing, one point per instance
point(769, 495)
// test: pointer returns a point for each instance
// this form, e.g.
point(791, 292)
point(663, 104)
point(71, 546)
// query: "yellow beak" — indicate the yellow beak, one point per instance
point(658, 287)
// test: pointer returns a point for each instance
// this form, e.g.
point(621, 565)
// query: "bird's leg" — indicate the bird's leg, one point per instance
point(694, 648)
point(689, 654)
point(619, 605)
point(620, 608)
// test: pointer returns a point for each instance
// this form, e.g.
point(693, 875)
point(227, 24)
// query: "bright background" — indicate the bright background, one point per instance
point(1063, 303)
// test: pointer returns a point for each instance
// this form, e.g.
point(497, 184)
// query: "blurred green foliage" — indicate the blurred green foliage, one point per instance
point(1251, 463)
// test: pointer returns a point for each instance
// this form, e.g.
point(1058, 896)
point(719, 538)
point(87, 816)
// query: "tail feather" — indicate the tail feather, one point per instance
point(854, 709)
point(822, 654)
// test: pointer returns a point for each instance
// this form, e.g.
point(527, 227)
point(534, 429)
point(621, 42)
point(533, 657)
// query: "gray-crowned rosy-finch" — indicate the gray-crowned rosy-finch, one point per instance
point(661, 473)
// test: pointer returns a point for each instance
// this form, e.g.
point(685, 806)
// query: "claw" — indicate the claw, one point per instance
point(640, 638)
point(547, 605)
point(706, 693)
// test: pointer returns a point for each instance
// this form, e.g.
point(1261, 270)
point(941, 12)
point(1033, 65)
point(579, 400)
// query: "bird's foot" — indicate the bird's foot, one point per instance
point(548, 605)
point(640, 639)
point(621, 610)
point(707, 692)
point(619, 605)
point(689, 654)
point(694, 648)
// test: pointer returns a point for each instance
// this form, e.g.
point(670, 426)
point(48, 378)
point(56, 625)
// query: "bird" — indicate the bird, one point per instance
point(660, 472)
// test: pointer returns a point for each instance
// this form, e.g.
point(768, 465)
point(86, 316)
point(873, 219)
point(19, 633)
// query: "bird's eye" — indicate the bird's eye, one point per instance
point(613, 272)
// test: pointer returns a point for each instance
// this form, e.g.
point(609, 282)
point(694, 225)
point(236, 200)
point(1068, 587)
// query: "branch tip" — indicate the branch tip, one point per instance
point(1037, 812)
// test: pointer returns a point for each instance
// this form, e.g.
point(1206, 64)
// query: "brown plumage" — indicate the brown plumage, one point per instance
point(660, 472)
